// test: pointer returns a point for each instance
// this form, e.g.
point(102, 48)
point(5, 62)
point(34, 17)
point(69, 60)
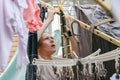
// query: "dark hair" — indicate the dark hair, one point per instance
point(39, 43)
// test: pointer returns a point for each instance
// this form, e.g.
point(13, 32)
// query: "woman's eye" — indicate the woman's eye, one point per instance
point(52, 38)
point(46, 38)
point(49, 38)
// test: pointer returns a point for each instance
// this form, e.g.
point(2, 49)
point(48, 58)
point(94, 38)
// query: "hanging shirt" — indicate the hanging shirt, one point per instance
point(12, 22)
point(31, 15)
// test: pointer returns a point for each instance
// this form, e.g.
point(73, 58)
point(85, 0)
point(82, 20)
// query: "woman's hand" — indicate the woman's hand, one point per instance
point(51, 13)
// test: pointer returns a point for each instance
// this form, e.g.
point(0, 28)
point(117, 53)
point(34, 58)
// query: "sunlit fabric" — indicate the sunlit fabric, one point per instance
point(12, 22)
point(31, 15)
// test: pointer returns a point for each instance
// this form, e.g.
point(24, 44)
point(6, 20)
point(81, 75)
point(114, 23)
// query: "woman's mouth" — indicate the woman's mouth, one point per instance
point(53, 45)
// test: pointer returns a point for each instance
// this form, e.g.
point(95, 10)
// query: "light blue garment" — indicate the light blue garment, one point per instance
point(57, 38)
point(12, 73)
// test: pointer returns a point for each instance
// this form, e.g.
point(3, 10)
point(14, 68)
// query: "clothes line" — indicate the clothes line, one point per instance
point(111, 55)
point(93, 58)
point(56, 62)
point(95, 31)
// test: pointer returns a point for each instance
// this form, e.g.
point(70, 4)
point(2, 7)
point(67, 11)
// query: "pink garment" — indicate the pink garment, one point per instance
point(31, 15)
point(12, 22)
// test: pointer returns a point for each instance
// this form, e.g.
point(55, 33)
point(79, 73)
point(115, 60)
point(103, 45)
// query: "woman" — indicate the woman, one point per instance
point(46, 47)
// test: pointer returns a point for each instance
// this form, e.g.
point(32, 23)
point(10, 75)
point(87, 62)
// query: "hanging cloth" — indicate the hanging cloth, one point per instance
point(31, 15)
point(43, 10)
point(12, 22)
point(33, 21)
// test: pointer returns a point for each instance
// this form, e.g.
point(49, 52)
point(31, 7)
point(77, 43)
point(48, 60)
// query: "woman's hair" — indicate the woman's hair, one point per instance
point(39, 43)
point(39, 39)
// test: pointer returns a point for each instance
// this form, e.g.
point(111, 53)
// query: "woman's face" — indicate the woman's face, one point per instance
point(47, 43)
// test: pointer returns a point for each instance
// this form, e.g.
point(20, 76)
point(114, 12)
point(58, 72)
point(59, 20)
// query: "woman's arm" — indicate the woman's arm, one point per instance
point(73, 44)
point(75, 47)
point(47, 22)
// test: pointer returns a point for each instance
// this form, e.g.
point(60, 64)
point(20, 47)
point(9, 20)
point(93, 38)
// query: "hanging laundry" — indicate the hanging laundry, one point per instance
point(31, 15)
point(12, 22)
point(115, 76)
point(43, 11)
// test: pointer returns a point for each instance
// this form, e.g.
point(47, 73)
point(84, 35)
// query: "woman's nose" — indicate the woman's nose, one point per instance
point(51, 40)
